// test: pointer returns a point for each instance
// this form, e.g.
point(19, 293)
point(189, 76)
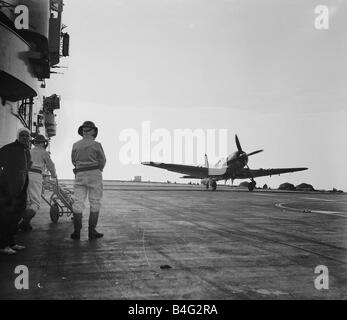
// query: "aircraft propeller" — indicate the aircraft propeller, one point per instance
point(241, 152)
point(254, 152)
point(238, 144)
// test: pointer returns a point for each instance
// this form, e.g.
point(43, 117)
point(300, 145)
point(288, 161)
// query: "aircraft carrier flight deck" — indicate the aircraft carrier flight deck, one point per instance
point(166, 241)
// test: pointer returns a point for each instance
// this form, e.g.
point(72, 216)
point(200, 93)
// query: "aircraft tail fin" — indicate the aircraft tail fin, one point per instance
point(206, 161)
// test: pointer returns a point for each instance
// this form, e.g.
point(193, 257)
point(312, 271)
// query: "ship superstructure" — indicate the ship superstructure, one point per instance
point(32, 42)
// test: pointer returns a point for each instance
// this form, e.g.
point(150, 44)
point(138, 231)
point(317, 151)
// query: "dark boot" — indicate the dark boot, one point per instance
point(77, 223)
point(93, 221)
point(25, 225)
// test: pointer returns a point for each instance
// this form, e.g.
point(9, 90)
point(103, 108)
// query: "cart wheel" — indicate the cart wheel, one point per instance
point(54, 213)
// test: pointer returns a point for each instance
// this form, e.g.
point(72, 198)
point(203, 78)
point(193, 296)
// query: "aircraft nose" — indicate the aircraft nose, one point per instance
point(245, 158)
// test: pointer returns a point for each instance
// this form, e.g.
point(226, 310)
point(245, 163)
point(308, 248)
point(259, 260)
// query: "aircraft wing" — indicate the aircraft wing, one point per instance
point(195, 171)
point(253, 173)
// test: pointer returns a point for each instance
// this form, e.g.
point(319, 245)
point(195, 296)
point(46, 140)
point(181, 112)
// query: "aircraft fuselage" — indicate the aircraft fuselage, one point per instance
point(228, 168)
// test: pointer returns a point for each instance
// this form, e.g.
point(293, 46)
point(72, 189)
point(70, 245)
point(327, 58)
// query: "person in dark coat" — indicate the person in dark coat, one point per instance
point(15, 162)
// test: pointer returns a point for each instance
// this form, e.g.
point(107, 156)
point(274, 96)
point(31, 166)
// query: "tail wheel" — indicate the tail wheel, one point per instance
point(214, 185)
point(54, 213)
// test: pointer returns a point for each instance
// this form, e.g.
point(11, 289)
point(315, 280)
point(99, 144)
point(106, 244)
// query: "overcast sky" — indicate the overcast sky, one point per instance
point(259, 69)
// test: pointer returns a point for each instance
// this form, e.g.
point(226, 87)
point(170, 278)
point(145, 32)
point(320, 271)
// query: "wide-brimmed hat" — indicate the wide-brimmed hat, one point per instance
point(87, 125)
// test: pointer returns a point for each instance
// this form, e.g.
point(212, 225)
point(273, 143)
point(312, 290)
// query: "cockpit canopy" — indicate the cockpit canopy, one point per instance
point(232, 158)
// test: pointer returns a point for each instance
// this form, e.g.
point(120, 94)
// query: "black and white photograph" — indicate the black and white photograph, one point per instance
point(187, 152)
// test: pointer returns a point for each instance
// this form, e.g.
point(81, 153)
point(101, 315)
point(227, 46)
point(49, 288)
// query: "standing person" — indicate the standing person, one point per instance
point(15, 162)
point(89, 161)
point(41, 160)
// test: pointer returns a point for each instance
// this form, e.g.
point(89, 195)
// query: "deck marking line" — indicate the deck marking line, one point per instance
point(327, 200)
point(332, 213)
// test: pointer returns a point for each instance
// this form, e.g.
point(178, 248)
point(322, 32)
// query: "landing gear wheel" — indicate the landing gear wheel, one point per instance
point(251, 186)
point(207, 185)
point(214, 186)
point(54, 213)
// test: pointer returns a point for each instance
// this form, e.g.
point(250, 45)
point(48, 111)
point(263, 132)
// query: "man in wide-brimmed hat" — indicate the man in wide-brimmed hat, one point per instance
point(89, 161)
point(41, 161)
point(15, 162)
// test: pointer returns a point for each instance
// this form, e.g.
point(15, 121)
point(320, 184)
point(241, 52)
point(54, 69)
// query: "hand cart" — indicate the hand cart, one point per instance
point(60, 201)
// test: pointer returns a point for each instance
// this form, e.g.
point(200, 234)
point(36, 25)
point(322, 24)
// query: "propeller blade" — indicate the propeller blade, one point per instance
point(254, 152)
point(238, 144)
